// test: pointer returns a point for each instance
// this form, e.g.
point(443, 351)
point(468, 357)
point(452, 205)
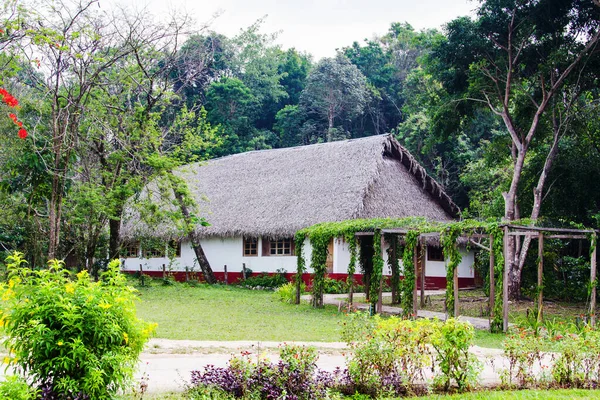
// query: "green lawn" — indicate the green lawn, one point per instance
point(483, 395)
point(520, 395)
point(230, 313)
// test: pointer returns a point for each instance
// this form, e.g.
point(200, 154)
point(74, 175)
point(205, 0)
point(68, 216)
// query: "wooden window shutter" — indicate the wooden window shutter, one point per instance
point(266, 246)
point(293, 247)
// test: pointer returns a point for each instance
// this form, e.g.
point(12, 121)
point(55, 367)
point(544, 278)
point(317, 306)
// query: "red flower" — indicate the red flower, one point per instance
point(13, 117)
point(20, 124)
point(22, 133)
point(8, 98)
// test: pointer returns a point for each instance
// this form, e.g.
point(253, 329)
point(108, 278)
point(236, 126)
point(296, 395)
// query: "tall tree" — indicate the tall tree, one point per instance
point(336, 90)
point(519, 58)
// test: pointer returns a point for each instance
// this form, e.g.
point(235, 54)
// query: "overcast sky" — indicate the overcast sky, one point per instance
point(317, 26)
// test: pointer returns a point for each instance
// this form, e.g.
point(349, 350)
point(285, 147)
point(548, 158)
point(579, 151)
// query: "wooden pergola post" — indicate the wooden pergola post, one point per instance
point(379, 296)
point(540, 272)
point(416, 267)
point(423, 264)
point(593, 280)
point(505, 283)
point(492, 279)
point(455, 284)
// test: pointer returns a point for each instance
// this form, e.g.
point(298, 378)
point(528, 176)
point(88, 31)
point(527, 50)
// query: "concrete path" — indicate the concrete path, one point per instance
point(340, 299)
point(167, 364)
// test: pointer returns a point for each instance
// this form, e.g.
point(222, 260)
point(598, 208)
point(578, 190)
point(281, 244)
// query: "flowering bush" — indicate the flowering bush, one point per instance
point(391, 355)
point(71, 338)
point(12, 102)
point(295, 376)
point(523, 350)
point(578, 363)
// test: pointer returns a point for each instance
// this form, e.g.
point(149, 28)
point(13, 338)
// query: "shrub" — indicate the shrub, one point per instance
point(264, 280)
point(523, 350)
point(333, 286)
point(295, 376)
point(287, 293)
point(578, 364)
point(391, 354)
point(451, 341)
point(17, 388)
point(72, 338)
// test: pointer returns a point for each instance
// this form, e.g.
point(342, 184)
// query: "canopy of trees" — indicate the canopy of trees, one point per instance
point(502, 109)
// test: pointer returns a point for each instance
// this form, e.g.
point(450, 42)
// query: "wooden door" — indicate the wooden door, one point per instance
point(329, 262)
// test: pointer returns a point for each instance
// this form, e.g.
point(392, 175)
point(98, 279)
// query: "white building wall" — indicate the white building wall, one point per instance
point(220, 252)
point(465, 268)
point(229, 251)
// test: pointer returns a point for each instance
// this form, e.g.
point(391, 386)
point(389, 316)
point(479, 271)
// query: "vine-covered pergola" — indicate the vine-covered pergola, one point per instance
point(406, 236)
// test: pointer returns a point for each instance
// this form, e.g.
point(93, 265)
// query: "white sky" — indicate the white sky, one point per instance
point(317, 27)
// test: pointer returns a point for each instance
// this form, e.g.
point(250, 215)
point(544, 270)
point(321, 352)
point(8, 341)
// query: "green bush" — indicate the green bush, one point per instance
point(390, 355)
point(72, 336)
point(451, 341)
point(16, 388)
point(523, 350)
point(287, 293)
point(265, 281)
point(578, 364)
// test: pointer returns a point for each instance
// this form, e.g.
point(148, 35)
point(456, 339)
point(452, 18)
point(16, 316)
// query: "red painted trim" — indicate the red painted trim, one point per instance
point(431, 282)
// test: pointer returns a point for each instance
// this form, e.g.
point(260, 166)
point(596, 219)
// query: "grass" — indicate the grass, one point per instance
point(229, 313)
point(473, 303)
point(563, 394)
point(521, 395)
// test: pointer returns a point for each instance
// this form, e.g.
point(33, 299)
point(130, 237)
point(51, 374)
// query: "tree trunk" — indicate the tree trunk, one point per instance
point(198, 250)
point(54, 215)
point(510, 214)
point(114, 246)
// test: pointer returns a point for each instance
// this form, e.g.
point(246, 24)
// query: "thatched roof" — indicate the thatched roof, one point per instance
point(277, 192)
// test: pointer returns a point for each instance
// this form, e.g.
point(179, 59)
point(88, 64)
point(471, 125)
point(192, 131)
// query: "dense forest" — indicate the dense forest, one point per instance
point(502, 109)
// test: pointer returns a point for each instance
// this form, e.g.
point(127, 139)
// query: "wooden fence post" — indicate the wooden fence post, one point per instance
point(225, 273)
point(540, 276)
point(416, 267)
point(505, 283)
point(593, 281)
point(492, 279)
point(423, 264)
point(164, 271)
point(244, 271)
point(456, 298)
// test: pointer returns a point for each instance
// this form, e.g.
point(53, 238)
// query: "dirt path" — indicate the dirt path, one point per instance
point(167, 364)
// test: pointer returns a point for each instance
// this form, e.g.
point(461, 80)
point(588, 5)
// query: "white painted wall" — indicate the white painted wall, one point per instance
point(220, 252)
point(228, 251)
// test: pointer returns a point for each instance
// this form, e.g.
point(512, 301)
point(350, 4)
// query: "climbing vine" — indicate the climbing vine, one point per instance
point(497, 233)
point(318, 262)
point(300, 264)
point(407, 286)
point(377, 273)
point(320, 235)
point(448, 239)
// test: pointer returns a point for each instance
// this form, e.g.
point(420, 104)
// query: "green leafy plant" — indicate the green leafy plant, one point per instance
point(451, 341)
point(72, 336)
point(523, 350)
point(265, 280)
point(16, 388)
point(390, 355)
point(578, 364)
point(287, 293)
